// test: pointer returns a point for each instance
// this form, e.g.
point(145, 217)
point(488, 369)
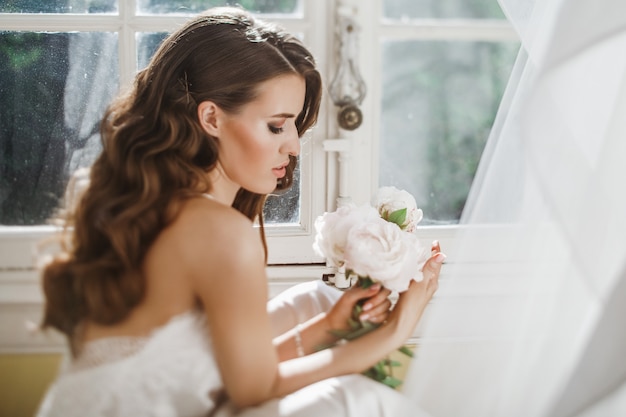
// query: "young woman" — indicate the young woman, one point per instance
point(162, 289)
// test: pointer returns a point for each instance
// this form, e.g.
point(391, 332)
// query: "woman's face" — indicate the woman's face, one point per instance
point(255, 143)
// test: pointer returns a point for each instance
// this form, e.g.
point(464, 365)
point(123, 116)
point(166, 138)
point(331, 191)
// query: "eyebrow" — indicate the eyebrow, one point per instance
point(283, 115)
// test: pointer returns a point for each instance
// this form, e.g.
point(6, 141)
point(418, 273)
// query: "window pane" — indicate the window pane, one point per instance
point(147, 44)
point(196, 6)
point(58, 6)
point(438, 105)
point(53, 90)
point(284, 208)
point(446, 9)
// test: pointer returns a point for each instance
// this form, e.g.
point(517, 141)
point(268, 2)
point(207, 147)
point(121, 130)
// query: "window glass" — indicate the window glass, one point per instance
point(147, 44)
point(439, 102)
point(196, 6)
point(58, 6)
point(284, 208)
point(53, 90)
point(448, 9)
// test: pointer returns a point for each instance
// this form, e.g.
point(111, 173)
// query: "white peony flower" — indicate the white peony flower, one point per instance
point(332, 230)
point(390, 200)
point(381, 251)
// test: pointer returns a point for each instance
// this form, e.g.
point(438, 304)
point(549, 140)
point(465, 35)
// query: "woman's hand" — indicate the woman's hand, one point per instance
point(376, 306)
point(412, 302)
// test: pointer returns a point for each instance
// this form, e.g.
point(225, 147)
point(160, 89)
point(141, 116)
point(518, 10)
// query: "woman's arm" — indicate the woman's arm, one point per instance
point(316, 332)
point(224, 262)
point(365, 351)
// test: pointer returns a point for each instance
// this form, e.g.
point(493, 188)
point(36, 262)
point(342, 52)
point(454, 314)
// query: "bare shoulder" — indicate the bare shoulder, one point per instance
point(211, 239)
point(202, 215)
point(207, 225)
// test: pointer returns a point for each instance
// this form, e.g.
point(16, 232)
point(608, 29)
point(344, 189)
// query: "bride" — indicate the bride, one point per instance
point(161, 289)
point(200, 341)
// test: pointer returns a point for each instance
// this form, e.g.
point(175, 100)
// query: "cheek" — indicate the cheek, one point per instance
point(252, 142)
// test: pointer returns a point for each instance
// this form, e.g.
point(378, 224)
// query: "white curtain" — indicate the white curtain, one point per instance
point(543, 332)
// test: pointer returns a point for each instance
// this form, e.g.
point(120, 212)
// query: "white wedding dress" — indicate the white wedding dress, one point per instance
point(173, 373)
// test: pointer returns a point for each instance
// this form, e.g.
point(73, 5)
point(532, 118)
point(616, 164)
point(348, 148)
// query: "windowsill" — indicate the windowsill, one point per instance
point(21, 300)
point(21, 303)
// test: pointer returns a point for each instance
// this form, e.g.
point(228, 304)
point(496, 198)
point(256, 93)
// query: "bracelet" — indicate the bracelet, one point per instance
point(298, 339)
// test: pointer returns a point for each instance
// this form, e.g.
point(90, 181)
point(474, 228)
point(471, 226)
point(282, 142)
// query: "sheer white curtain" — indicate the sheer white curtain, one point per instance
point(548, 334)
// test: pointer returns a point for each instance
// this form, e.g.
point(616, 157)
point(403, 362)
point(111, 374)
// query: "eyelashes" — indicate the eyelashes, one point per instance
point(275, 130)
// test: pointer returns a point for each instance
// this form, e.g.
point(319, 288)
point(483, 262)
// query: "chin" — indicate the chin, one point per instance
point(266, 189)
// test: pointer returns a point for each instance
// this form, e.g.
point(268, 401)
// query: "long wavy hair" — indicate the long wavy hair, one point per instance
point(155, 155)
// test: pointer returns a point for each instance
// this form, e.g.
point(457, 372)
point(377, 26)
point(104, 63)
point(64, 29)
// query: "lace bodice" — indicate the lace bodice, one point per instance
point(102, 351)
point(171, 373)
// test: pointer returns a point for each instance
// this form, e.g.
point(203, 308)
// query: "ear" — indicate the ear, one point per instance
point(209, 115)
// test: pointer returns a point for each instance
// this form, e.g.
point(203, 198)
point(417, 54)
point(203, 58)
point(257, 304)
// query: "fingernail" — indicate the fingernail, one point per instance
point(364, 317)
point(367, 306)
point(375, 287)
point(440, 257)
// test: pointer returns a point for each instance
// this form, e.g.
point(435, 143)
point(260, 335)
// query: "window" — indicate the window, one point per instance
point(444, 69)
point(63, 61)
point(434, 70)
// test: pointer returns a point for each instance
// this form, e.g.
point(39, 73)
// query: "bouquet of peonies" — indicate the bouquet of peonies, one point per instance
point(374, 244)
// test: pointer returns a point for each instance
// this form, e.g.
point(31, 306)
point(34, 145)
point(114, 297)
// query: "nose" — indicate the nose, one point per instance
point(291, 146)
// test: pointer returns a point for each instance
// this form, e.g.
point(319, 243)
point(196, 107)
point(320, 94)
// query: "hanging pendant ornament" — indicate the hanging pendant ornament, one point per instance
point(350, 117)
point(347, 89)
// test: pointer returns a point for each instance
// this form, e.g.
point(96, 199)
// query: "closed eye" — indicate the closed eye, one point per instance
point(275, 129)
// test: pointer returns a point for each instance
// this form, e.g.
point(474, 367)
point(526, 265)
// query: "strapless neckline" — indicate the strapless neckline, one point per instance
point(114, 348)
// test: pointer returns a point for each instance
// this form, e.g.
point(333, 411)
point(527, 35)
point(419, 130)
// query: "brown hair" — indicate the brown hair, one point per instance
point(155, 155)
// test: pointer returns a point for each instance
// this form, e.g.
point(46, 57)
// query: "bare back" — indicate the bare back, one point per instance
point(192, 239)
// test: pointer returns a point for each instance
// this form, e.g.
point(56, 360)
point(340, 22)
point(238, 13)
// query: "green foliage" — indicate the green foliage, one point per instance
point(398, 217)
point(382, 371)
point(364, 282)
point(22, 50)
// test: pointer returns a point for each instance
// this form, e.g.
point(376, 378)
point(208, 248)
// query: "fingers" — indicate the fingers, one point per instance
point(376, 303)
point(356, 293)
point(377, 307)
point(435, 247)
point(431, 271)
point(432, 267)
point(379, 298)
point(377, 313)
point(433, 264)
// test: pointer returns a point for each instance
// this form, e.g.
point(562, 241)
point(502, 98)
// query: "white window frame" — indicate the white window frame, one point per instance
point(363, 144)
point(363, 151)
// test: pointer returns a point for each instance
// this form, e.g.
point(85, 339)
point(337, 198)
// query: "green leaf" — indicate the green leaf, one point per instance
point(408, 352)
point(340, 333)
point(325, 346)
point(398, 217)
point(357, 310)
point(354, 323)
point(392, 382)
point(358, 333)
point(390, 362)
point(366, 282)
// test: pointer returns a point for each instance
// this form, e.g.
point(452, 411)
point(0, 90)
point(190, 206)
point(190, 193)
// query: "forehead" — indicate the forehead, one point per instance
point(284, 93)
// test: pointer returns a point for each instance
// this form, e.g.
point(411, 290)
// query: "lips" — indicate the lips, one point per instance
point(281, 170)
